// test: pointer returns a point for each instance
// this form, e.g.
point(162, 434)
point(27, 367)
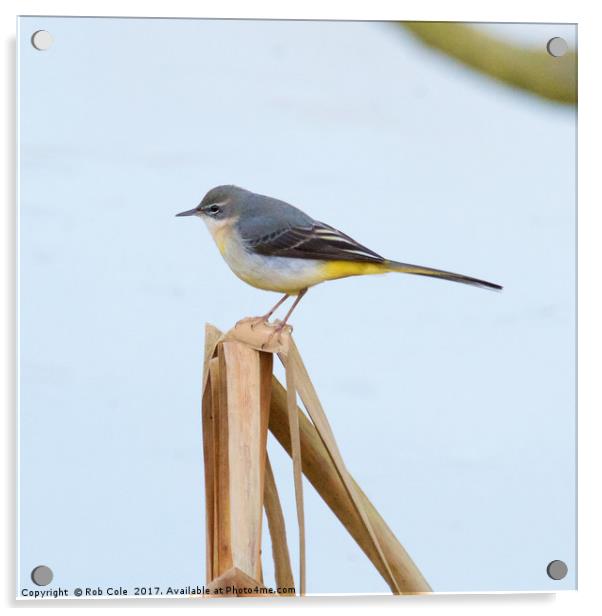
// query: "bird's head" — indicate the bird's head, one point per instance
point(220, 204)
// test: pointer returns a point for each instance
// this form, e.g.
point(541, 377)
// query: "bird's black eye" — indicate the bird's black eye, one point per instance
point(214, 209)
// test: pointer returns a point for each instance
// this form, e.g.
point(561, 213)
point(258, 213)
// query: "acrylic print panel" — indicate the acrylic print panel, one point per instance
point(453, 406)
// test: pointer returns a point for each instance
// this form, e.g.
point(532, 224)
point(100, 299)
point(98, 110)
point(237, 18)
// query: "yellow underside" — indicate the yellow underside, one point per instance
point(295, 283)
point(331, 270)
point(340, 269)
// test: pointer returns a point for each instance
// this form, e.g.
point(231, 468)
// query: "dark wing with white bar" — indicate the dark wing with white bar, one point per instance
point(315, 241)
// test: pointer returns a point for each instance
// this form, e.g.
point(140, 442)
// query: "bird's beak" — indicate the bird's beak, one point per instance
point(188, 212)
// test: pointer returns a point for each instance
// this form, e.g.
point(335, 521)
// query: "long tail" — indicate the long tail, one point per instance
point(418, 270)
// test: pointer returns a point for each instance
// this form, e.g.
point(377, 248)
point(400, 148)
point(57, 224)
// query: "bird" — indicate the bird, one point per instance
point(273, 245)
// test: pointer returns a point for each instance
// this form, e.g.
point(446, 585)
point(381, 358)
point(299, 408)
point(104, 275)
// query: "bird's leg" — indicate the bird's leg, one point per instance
point(278, 329)
point(288, 314)
point(266, 317)
point(263, 319)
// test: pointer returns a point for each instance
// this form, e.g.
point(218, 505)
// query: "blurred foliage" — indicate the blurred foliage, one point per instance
point(533, 70)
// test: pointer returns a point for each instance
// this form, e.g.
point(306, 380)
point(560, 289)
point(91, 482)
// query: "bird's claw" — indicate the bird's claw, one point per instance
point(268, 342)
point(254, 321)
point(278, 333)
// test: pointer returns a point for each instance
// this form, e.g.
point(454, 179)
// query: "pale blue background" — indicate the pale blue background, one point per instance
point(454, 407)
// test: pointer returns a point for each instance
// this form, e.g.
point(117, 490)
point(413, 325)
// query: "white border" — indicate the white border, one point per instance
point(587, 600)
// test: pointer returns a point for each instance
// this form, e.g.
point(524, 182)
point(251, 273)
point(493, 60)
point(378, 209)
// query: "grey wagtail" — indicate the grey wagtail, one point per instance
point(273, 245)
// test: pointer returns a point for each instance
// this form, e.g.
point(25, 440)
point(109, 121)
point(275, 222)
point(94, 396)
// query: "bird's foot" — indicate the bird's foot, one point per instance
point(252, 321)
point(278, 329)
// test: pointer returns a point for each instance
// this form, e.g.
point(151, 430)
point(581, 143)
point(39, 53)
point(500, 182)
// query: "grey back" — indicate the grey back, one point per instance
point(260, 215)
